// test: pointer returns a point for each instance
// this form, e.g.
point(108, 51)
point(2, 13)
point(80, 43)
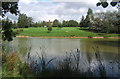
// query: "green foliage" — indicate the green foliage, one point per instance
point(82, 22)
point(90, 12)
point(65, 23)
point(11, 65)
point(106, 22)
point(73, 23)
point(43, 23)
point(37, 24)
point(87, 21)
point(105, 4)
point(106, 27)
point(49, 29)
point(11, 7)
point(113, 3)
point(7, 33)
point(24, 21)
point(48, 24)
point(15, 25)
point(97, 25)
point(56, 23)
point(89, 18)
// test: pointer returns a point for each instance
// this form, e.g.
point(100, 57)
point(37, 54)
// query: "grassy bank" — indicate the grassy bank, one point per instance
point(61, 32)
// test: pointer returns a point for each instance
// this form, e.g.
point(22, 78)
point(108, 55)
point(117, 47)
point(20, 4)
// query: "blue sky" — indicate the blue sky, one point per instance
point(58, 9)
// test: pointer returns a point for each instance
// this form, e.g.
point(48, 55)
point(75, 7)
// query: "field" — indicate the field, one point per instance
point(61, 32)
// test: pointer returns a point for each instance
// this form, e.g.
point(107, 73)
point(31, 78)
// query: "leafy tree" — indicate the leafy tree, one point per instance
point(56, 23)
point(106, 22)
point(11, 7)
point(97, 25)
point(73, 23)
point(60, 25)
point(37, 24)
point(24, 21)
point(105, 4)
point(65, 23)
point(14, 24)
point(34, 24)
point(82, 22)
point(89, 18)
point(49, 29)
point(106, 26)
point(7, 33)
point(30, 21)
point(49, 26)
point(43, 24)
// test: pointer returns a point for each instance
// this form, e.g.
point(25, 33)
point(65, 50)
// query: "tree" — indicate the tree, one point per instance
point(82, 22)
point(11, 7)
point(7, 33)
point(73, 23)
point(56, 23)
point(15, 24)
point(97, 25)
point(49, 29)
point(43, 24)
point(24, 21)
point(89, 18)
point(37, 24)
point(106, 22)
point(65, 23)
point(105, 4)
point(49, 26)
point(106, 26)
point(30, 21)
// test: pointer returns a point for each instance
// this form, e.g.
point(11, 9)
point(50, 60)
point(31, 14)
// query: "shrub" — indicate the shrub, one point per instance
point(49, 29)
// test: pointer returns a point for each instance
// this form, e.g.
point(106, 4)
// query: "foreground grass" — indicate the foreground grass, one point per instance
point(61, 32)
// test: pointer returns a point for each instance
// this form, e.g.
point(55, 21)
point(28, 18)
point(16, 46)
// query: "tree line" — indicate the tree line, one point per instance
point(12, 7)
point(102, 22)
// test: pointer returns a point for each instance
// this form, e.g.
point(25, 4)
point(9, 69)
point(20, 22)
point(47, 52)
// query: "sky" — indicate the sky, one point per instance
point(47, 10)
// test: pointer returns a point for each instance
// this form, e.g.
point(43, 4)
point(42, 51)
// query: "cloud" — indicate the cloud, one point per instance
point(47, 10)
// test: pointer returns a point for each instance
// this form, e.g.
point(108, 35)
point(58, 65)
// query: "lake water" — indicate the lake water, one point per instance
point(57, 47)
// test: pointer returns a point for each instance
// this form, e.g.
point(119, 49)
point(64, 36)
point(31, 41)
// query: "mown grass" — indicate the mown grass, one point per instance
point(61, 32)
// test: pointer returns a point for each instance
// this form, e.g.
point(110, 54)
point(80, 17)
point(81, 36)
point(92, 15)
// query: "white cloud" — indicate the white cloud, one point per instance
point(58, 10)
point(28, 1)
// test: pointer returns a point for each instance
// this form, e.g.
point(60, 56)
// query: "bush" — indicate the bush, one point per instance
point(49, 29)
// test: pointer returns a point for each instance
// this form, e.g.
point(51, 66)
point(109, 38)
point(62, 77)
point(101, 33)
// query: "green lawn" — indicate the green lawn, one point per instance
point(63, 32)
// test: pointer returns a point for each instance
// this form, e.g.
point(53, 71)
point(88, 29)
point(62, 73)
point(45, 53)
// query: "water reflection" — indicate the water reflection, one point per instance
point(108, 50)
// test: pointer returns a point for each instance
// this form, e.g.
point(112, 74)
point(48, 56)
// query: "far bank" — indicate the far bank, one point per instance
point(65, 32)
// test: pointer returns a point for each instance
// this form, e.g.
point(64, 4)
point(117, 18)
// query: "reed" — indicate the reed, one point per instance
point(102, 71)
point(68, 65)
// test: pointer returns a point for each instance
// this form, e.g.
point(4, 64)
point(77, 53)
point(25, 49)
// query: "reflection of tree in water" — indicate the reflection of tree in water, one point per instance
point(23, 46)
point(108, 43)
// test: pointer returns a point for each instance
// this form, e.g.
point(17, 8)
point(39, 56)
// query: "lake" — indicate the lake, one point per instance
point(57, 47)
